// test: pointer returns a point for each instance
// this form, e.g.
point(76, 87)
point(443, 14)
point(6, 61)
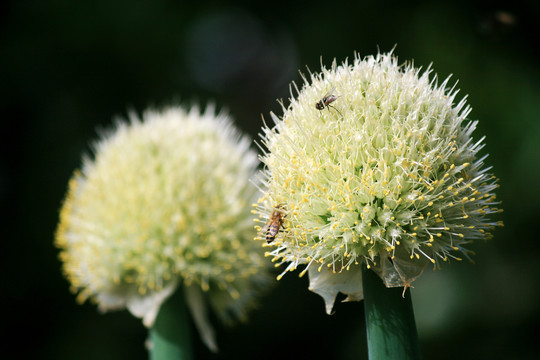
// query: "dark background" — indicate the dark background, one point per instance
point(68, 67)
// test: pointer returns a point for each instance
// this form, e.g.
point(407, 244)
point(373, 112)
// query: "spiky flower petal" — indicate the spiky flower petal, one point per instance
point(164, 203)
point(374, 163)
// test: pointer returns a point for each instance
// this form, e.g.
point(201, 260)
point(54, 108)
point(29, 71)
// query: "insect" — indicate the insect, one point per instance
point(275, 223)
point(326, 101)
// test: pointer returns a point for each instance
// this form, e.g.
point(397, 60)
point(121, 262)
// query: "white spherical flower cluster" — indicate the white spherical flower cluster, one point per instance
point(374, 163)
point(165, 203)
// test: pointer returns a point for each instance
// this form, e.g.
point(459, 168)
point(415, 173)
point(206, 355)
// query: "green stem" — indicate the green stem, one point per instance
point(390, 325)
point(171, 335)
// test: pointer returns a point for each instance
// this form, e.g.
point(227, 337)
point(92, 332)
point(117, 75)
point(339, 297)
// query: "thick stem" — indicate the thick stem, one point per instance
point(390, 325)
point(171, 335)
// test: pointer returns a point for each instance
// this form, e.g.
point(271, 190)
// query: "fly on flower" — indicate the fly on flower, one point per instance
point(326, 101)
point(275, 223)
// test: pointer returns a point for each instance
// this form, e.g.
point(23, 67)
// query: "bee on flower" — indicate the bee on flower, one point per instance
point(275, 224)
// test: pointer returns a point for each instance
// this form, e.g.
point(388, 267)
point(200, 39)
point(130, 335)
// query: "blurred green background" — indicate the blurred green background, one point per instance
point(69, 67)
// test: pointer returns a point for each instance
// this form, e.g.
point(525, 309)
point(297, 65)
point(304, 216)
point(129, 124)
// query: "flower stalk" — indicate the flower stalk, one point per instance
point(390, 326)
point(170, 337)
